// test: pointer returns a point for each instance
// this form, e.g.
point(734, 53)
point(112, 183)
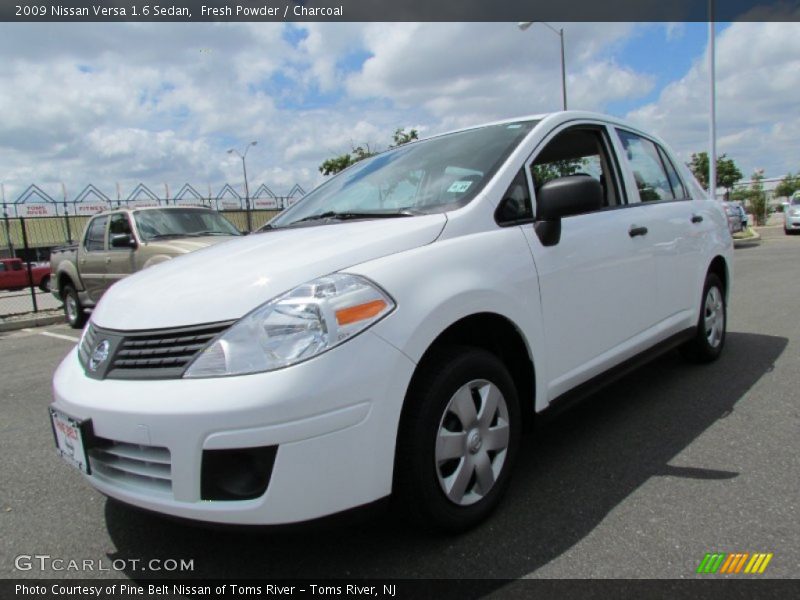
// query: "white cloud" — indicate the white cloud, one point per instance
point(758, 92)
point(129, 102)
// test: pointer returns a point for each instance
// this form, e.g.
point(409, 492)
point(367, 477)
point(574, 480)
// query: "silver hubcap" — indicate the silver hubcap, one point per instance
point(714, 317)
point(472, 442)
point(72, 308)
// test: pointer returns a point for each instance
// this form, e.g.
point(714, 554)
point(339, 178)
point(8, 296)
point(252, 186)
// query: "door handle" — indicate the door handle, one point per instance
point(108, 259)
point(634, 231)
point(697, 218)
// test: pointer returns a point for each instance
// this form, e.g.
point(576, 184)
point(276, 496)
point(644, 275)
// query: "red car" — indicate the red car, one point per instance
point(14, 275)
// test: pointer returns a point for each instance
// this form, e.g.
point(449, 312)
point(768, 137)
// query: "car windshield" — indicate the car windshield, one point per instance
point(429, 176)
point(181, 222)
point(796, 201)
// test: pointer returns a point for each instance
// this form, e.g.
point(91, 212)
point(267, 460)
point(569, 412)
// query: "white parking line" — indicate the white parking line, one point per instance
point(59, 336)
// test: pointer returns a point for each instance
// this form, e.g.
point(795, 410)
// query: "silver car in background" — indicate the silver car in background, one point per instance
point(791, 215)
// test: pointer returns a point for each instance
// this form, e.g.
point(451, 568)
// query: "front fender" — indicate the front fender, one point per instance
point(441, 283)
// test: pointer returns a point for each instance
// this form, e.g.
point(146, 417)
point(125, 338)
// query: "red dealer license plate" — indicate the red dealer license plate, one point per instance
point(70, 439)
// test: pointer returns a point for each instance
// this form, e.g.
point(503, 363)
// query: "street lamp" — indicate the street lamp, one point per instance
point(712, 119)
point(243, 156)
point(523, 25)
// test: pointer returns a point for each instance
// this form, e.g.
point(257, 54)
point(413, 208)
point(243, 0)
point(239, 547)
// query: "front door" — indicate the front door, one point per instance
point(119, 261)
point(92, 258)
point(598, 283)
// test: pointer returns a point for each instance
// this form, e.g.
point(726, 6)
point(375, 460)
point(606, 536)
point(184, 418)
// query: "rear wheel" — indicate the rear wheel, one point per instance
point(44, 284)
point(73, 308)
point(709, 338)
point(458, 440)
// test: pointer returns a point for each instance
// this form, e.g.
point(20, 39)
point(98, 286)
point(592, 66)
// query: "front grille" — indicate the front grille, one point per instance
point(154, 354)
point(145, 469)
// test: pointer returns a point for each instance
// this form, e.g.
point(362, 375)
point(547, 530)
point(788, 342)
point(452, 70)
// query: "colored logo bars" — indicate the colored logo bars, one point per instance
point(733, 563)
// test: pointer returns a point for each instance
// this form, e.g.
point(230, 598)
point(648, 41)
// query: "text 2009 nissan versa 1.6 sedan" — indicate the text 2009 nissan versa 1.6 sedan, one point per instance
point(389, 333)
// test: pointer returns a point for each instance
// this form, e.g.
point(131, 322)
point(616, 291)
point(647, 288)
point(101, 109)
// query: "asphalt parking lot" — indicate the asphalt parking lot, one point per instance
point(639, 481)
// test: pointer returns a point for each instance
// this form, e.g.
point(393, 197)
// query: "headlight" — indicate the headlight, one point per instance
point(796, 212)
point(302, 323)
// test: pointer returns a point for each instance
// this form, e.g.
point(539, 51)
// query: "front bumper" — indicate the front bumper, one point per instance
point(333, 419)
point(792, 222)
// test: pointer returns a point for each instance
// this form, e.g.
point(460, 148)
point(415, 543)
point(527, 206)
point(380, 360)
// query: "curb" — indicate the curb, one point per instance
point(751, 241)
point(34, 322)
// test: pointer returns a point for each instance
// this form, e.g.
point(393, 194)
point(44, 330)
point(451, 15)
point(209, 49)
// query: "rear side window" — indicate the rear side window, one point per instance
point(674, 179)
point(648, 169)
point(95, 236)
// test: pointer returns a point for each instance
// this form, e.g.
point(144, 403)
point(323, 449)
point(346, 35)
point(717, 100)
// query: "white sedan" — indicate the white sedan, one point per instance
point(388, 334)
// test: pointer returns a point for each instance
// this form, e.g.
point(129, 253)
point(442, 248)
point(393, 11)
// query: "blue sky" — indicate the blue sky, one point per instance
point(161, 103)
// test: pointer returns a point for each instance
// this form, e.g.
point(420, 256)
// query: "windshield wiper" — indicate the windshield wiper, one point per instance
point(202, 233)
point(350, 216)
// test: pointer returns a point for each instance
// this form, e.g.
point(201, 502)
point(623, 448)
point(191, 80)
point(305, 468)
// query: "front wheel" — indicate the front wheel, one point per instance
point(458, 439)
point(709, 338)
point(73, 308)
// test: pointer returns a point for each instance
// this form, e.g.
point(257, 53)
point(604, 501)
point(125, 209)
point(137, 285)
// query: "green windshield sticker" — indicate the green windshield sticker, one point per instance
point(459, 187)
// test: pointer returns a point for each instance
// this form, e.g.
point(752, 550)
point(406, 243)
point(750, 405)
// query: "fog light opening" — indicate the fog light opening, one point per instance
point(236, 474)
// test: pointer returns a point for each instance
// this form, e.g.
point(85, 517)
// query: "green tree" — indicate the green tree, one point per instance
point(788, 185)
point(400, 137)
point(753, 197)
point(544, 172)
point(339, 163)
point(727, 171)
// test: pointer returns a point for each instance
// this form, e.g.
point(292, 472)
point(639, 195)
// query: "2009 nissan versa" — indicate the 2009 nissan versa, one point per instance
point(389, 333)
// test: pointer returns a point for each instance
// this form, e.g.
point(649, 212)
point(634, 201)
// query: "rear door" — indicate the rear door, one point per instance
point(597, 283)
point(675, 228)
point(92, 257)
point(17, 274)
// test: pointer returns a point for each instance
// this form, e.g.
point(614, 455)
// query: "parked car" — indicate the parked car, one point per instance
point(390, 333)
point(738, 209)
point(734, 212)
point(791, 215)
point(117, 243)
point(14, 275)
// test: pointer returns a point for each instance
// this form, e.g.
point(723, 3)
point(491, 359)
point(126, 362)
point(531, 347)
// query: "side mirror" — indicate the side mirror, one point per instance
point(564, 197)
point(122, 240)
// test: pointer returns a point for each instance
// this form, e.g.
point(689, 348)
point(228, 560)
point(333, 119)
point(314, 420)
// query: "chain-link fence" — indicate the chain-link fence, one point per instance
point(25, 246)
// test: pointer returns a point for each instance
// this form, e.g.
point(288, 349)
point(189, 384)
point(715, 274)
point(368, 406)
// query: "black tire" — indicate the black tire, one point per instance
point(73, 309)
point(44, 284)
point(707, 344)
point(419, 476)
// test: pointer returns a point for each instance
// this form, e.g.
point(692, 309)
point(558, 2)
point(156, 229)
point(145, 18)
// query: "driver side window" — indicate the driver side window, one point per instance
point(581, 151)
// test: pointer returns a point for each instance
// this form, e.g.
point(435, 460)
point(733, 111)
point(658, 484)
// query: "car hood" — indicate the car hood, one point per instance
point(226, 281)
point(185, 245)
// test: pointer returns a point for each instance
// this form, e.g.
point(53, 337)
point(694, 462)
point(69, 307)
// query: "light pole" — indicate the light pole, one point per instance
point(712, 121)
point(523, 25)
point(243, 156)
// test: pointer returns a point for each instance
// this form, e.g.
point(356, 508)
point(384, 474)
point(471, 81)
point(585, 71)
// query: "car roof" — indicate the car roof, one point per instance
point(130, 209)
point(552, 119)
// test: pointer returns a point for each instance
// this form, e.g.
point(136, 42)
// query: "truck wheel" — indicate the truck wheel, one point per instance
point(709, 339)
point(457, 441)
point(72, 307)
point(44, 284)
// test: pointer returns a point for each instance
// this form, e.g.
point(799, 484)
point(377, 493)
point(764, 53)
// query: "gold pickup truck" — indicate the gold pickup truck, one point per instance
point(118, 243)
